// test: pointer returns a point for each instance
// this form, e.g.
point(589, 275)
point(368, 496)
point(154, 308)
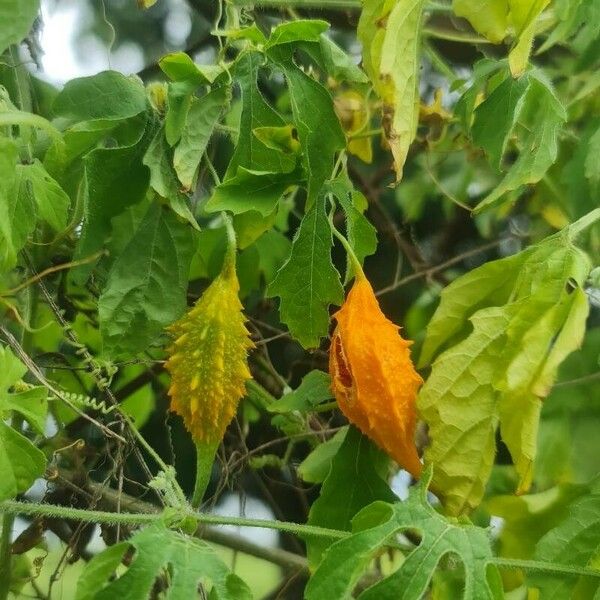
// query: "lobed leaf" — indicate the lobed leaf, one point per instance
point(159, 551)
point(308, 282)
point(495, 376)
point(377, 526)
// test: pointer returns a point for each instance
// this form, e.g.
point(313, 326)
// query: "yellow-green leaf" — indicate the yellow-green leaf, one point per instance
point(523, 15)
point(390, 35)
point(501, 366)
point(488, 17)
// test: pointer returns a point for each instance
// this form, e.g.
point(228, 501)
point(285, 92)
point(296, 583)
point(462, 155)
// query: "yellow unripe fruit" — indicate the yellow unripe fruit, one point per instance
point(208, 361)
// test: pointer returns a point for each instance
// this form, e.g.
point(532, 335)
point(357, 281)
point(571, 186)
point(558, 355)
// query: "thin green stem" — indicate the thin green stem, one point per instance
point(285, 4)
point(536, 565)
point(438, 62)
point(211, 169)
point(259, 393)
point(586, 221)
point(356, 266)
point(365, 134)
point(453, 35)
point(6, 555)
point(157, 459)
point(14, 507)
point(326, 407)
point(431, 6)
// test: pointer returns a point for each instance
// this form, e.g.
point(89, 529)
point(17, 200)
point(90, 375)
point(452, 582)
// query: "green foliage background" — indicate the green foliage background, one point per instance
point(455, 146)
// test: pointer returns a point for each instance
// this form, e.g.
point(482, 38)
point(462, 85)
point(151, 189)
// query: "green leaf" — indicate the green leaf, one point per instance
point(283, 139)
point(319, 130)
point(495, 375)
point(179, 100)
point(273, 250)
point(17, 216)
point(21, 463)
point(497, 115)
point(250, 152)
point(147, 284)
point(338, 64)
point(308, 282)
point(592, 160)
point(568, 443)
point(314, 389)
point(362, 236)
point(115, 179)
point(483, 69)
point(189, 562)
point(107, 95)
point(203, 115)
point(390, 34)
point(355, 480)
point(316, 466)
point(178, 66)
point(575, 542)
point(250, 190)
point(296, 31)
point(492, 281)
point(99, 570)
point(163, 179)
point(378, 524)
point(488, 17)
point(251, 225)
point(527, 518)
point(51, 200)
point(16, 20)
point(544, 117)
point(29, 403)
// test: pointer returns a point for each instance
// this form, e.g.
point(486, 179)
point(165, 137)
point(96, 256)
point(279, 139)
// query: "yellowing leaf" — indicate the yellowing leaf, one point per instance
point(351, 110)
point(523, 15)
point(208, 360)
point(373, 378)
point(495, 18)
point(488, 17)
point(390, 35)
point(523, 322)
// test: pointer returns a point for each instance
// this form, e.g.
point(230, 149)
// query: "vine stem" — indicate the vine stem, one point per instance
point(5, 554)
point(536, 565)
point(14, 507)
point(431, 6)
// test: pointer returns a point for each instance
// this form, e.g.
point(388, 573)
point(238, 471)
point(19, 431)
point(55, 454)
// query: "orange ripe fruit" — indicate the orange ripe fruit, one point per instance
point(373, 378)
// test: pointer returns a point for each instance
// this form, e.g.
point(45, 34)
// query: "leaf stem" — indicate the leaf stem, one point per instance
point(356, 266)
point(586, 221)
